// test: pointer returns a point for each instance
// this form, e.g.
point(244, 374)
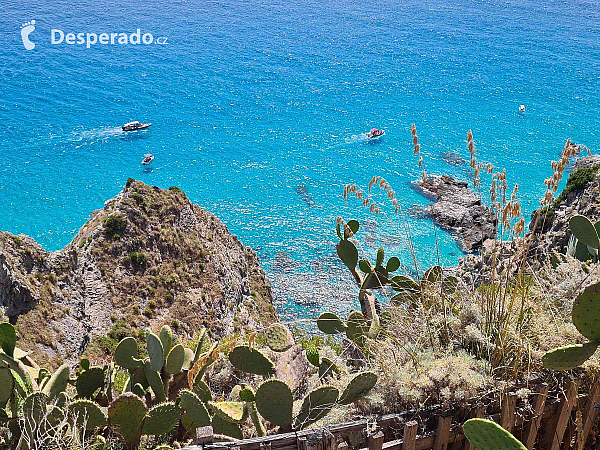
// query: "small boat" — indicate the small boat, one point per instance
point(148, 158)
point(522, 108)
point(135, 125)
point(375, 133)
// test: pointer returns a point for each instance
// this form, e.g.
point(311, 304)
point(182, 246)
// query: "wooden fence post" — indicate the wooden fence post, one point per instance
point(375, 441)
point(204, 435)
point(301, 443)
point(479, 413)
point(409, 441)
point(507, 415)
point(442, 433)
point(589, 415)
point(554, 431)
point(539, 402)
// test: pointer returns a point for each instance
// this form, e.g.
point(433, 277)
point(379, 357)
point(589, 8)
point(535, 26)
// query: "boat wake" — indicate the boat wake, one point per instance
point(89, 137)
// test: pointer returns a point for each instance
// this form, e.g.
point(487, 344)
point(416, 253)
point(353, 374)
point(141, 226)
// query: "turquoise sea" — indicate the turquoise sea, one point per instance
point(259, 110)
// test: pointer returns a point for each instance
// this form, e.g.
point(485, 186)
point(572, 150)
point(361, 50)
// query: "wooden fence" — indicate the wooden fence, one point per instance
point(557, 420)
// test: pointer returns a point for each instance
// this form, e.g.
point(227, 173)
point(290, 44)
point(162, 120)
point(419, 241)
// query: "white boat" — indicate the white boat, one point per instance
point(375, 134)
point(135, 125)
point(522, 108)
point(148, 158)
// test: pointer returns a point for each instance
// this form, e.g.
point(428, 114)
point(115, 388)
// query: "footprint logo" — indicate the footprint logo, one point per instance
point(26, 30)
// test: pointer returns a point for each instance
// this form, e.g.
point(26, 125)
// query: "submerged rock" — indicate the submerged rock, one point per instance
point(149, 257)
point(458, 209)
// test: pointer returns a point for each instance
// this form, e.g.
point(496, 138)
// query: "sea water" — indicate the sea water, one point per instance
point(260, 108)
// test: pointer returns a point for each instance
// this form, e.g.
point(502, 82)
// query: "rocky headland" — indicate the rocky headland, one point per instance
point(459, 210)
point(149, 257)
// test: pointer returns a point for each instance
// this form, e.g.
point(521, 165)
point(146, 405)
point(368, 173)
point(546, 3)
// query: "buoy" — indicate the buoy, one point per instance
point(522, 108)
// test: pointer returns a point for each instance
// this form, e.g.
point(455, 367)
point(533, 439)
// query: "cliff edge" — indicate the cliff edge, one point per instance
point(149, 257)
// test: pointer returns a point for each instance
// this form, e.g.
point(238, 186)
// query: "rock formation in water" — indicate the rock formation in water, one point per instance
point(149, 257)
point(458, 209)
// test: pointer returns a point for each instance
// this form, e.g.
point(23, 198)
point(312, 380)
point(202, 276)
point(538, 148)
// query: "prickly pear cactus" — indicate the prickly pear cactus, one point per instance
point(329, 323)
point(312, 354)
point(202, 390)
point(89, 381)
point(155, 382)
point(88, 412)
point(357, 328)
point(8, 338)
point(233, 412)
point(327, 368)
point(195, 409)
point(586, 312)
point(486, 435)
point(175, 360)
point(258, 425)
point(250, 361)
point(348, 253)
point(57, 382)
point(7, 384)
point(584, 231)
point(247, 394)
point(316, 405)
point(275, 402)
point(126, 415)
point(166, 338)
point(221, 426)
point(358, 386)
point(161, 419)
point(155, 351)
point(126, 354)
point(279, 338)
point(569, 357)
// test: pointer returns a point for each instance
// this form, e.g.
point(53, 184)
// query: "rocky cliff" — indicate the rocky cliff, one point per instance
point(149, 257)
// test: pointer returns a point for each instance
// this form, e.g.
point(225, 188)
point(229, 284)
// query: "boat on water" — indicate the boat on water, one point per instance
point(148, 158)
point(135, 125)
point(522, 108)
point(375, 133)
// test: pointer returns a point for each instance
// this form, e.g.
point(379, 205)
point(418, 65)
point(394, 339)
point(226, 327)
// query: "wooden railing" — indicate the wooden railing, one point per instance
point(557, 420)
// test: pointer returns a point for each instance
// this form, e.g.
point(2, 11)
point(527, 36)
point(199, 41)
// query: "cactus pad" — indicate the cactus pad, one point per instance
point(155, 351)
point(89, 382)
point(279, 338)
point(247, 394)
point(126, 413)
point(155, 382)
point(356, 330)
point(175, 360)
point(316, 405)
point(275, 402)
point(250, 361)
point(584, 231)
point(359, 385)
point(161, 419)
point(312, 354)
point(8, 338)
point(57, 382)
point(486, 435)
point(221, 426)
point(569, 357)
point(586, 312)
point(258, 425)
point(202, 390)
point(88, 412)
point(7, 384)
point(232, 412)
point(195, 409)
point(126, 354)
point(348, 253)
point(166, 338)
point(329, 323)
point(327, 368)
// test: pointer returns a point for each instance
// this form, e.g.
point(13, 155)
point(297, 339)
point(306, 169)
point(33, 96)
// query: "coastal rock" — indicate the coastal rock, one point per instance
point(460, 210)
point(581, 195)
point(149, 257)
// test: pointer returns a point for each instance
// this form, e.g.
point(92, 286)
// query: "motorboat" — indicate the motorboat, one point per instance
point(375, 133)
point(135, 125)
point(148, 158)
point(522, 108)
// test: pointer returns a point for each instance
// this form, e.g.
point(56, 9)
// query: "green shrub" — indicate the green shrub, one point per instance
point(115, 226)
point(175, 189)
point(136, 259)
point(129, 181)
point(139, 199)
point(152, 304)
point(148, 313)
point(577, 181)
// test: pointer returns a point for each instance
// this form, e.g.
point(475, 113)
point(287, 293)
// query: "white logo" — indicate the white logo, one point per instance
point(26, 30)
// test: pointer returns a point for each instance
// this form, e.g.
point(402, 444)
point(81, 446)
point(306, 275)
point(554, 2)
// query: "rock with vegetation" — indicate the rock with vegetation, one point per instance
point(458, 209)
point(149, 257)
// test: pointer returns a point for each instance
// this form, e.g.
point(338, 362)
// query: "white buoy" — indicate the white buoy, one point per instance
point(522, 108)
